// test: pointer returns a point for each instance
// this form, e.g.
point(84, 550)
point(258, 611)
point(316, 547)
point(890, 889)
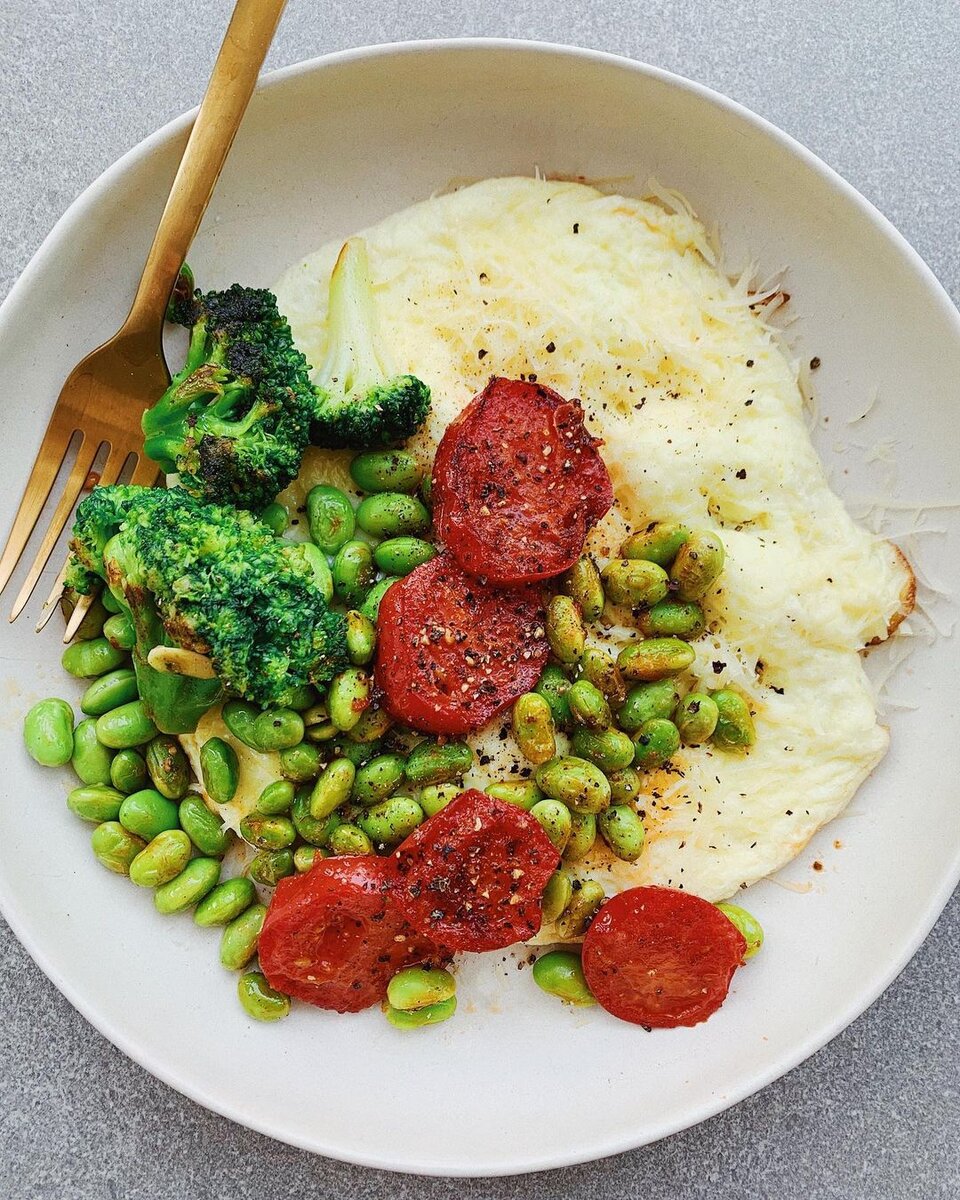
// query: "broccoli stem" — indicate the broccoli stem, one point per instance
point(355, 362)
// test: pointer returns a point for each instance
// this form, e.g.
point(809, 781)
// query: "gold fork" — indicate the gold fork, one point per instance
point(105, 395)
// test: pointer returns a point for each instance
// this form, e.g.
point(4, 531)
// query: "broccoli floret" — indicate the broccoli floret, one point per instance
point(210, 579)
point(362, 401)
point(235, 421)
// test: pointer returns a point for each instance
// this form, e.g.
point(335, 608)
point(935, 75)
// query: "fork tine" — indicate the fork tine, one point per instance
point(76, 617)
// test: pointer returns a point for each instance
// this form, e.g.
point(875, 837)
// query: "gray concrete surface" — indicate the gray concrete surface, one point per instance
point(870, 85)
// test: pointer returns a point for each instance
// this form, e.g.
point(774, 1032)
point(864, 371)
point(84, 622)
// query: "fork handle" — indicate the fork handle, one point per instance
point(231, 85)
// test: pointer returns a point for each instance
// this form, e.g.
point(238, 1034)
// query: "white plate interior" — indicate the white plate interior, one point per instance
point(515, 1082)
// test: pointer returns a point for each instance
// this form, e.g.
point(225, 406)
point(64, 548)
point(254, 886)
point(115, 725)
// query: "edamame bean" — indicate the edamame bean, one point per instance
point(386, 471)
point(634, 582)
point(554, 818)
point(371, 604)
point(373, 724)
point(330, 518)
point(48, 732)
point(317, 714)
point(85, 660)
point(332, 788)
point(353, 574)
point(655, 743)
point(750, 928)
point(565, 631)
point(300, 763)
point(322, 575)
point(673, 618)
point(350, 839)
point(401, 555)
point(115, 847)
point(599, 668)
point(259, 1000)
point(556, 895)
point(238, 943)
point(391, 514)
point(226, 902)
point(417, 1018)
point(348, 697)
point(305, 856)
point(559, 973)
point(204, 828)
point(361, 638)
point(276, 798)
point(583, 833)
point(533, 728)
point(274, 516)
point(109, 601)
point(647, 701)
point(437, 796)
point(524, 793)
point(127, 726)
point(578, 783)
point(119, 632)
point(588, 705)
point(696, 718)
point(147, 813)
point(90, 761)
point(655, 658)
point(220, 770)
point(390, 821)
point(583, 585)
point(302, 697)
point(553, 687)
point(109, 692)
point(378, 778)
point(658, 543)
point(324, 732)
point(581, 910)
point(698, 565)
point(609, 749)
point(429, 762)
point(278, 729)
point(624, 786)
point(95, 802)
point(163, 858)
point(240, 717)
point(268, 833)
point(735, 729)
point(621, 828)
point(128, 771)
point(357, 752)
point(270, 866)
point(416, 987)
point(313, 831)
point(198, 877)
point(168, 767)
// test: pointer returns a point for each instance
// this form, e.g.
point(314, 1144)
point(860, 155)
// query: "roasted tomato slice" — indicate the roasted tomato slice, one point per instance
point(332, 937)
point(518, 483)
point(453, 651)
point(660, 957)
point(472, 877)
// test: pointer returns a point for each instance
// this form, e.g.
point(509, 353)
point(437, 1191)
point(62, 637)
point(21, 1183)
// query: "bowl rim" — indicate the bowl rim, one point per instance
point(939, 897)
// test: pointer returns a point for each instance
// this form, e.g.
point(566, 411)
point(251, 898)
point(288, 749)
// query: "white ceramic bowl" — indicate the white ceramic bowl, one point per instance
point(515, 1082)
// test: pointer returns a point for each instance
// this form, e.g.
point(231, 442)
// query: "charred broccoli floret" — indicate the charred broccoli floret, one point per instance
point(362, 401)
point(235, 421)
point(213, 580)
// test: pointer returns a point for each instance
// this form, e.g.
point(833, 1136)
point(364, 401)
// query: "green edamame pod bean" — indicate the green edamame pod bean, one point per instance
point(371, 604)
point(621, 828)
point(259, 1000)
point(204, 828)
point(565, 631)
point(115, 848)
point(648, 701)
point(698, 565)
point(278, 729)
point(95, 802)
point(559, 973)
point(322, 575)
point(583, 833)
point(583, 585)
point(533, 728)
point(696, 718)
point(147, 813)
point(624, 786)
point(127, 726)
point(270, 866)
point(332, 788)
point(325, 732)
point(554, 818)
point(392, 514)
point(357, 752)
point(119, 632)
point(750, 928)
point(386, 471)
point(85, 660)
point(437, 796)
point(109, 692)
point(238, 943)
point(353, 574)
point(416, 987)
point(390, 821)
point(330, 517)
point(274, 516)
point(198, 877)
point(600, 668)
point(305, 856)
point(48, 732)
point(350, 839)
point(609, 749)
point(220, 770)
point(240, 717)
point(109, 601)
point(313, 831)
point(268, 833)
point(276, 798)
point(524, 793)
point(302, 697)
point(361, 638)
point(316, 714)
point(578, 783)
point(162, 859)
point(556, 895)
point(581, 910)
point(128, 771)
point(378, 778)
point(430, 762)
point(673, 618)
point(226, 902)
point(588, 705)
point(655, 658)
point(655, 743)
point(168, 767)
point(373, 724)
point(553, 686)
point(300, 763)
point(401, 555)
point(91, 761)
point(348, 697)
point(735, 729)
point(417, 1018)
point(634, 582)
point(658, 543)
